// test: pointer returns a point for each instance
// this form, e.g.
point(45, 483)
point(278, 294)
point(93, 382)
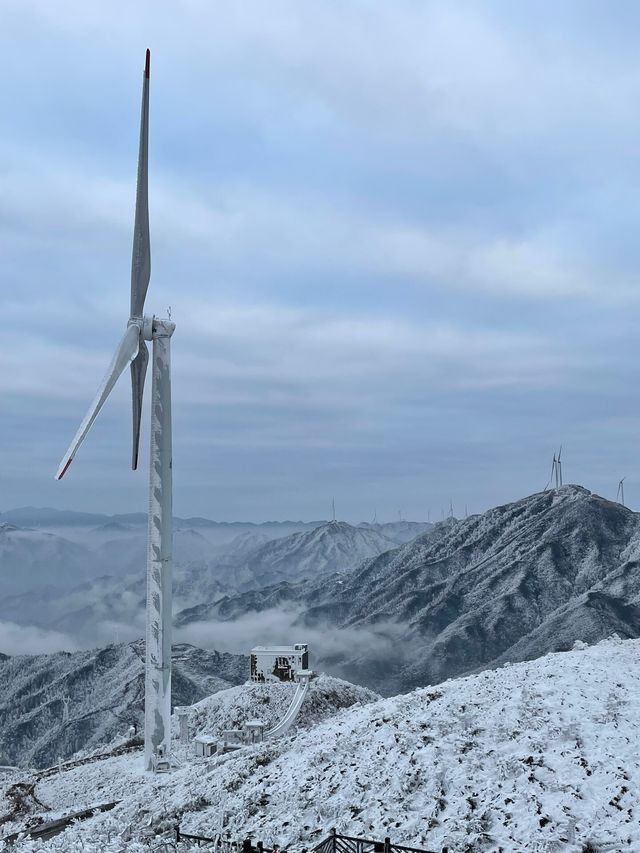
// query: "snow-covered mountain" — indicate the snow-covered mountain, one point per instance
point(532, 757)
point(332, 547)
point(105, 688)
point(47, 552)
point(97, 611)
point(511, 584)
point(84, 527)
point(399, 532)
point(32, 558)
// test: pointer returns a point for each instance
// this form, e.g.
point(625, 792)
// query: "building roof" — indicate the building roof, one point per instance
point(280, 650)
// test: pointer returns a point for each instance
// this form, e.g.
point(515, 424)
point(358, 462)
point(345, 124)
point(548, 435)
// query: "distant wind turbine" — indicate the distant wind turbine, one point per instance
point(553, 474)
point(559, 465)
point(132, 351)
point(621, 491)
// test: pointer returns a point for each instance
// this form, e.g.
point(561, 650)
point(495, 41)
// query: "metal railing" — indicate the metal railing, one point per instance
point(336, 843)
point(221, 843)
point(333, 843)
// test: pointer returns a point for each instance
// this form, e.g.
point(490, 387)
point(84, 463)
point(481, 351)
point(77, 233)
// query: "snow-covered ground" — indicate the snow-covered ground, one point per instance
point(230, 709)
point(538, 756)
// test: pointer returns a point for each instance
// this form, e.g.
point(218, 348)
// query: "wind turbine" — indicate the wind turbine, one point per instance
point(559, 467)
point(132, 351)
point(620, 493)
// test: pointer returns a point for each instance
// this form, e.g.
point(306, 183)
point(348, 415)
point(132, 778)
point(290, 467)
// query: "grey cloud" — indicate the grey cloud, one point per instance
point(277, 626)
point(398, 240)
point(30, 640)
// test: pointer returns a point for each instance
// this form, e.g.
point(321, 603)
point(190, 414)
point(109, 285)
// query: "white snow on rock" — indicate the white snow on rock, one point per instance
point(537, 756)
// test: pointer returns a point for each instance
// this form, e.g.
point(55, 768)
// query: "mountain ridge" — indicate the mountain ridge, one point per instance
point(467, 595)
point(106, 692)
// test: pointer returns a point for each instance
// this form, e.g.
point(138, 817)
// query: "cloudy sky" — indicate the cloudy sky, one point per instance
point(399, 240)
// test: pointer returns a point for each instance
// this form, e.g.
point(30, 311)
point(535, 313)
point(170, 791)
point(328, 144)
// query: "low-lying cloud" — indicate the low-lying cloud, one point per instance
point(282, 626)
point(30, 640)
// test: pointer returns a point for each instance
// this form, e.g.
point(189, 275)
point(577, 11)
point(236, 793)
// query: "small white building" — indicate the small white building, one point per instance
point(278, 663)
point(254, 731)
point(205, 746)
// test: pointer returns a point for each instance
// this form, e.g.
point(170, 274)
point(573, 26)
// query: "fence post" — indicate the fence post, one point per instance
point(387, 845)
point(177, 832)
point(333, 836)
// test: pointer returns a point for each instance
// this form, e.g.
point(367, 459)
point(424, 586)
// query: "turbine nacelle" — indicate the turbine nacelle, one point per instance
point(151, 326)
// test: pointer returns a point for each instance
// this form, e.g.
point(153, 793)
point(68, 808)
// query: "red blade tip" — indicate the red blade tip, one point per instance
point(64, 470)
point(147, 63)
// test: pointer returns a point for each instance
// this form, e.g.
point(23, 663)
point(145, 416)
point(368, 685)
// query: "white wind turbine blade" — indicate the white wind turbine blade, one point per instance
point(138, 373)
point(141, 254)
point(140, 263)
point(125, 354)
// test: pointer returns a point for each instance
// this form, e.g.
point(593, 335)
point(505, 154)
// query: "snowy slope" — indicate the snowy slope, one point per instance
point(332, 547)
point(106, 692)
point(511, 584)
point(230, 709)
point(534, 757)
point(400, 532)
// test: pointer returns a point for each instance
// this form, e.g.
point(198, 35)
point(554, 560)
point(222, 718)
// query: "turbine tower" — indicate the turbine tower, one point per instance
point(132, 351)
point(621, 491)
